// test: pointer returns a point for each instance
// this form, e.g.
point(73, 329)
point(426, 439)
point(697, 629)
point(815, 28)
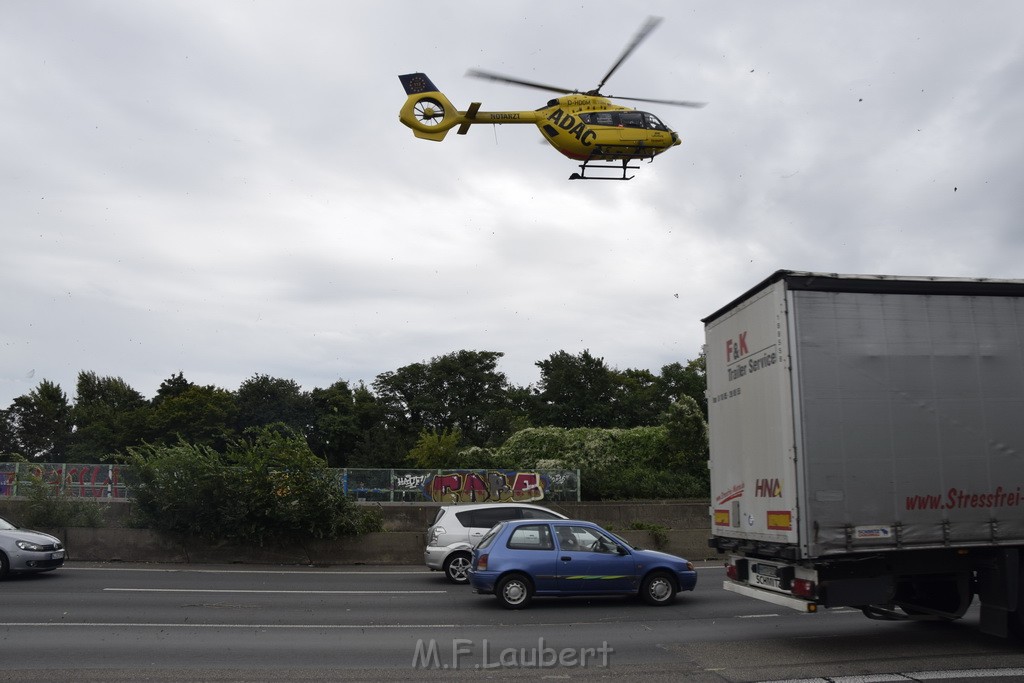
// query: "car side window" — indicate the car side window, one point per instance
point(489, 517)
point(531, 537)
point(585, 539)
point(530, 513)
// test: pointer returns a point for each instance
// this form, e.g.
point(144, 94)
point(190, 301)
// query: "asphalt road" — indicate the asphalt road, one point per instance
point(112, 622)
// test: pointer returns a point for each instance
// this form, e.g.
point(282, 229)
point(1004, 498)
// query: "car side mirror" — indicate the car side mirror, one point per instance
point(621, 550)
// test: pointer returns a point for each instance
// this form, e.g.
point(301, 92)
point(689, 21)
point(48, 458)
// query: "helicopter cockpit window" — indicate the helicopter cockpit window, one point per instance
point(631, 119)
point(654, 123)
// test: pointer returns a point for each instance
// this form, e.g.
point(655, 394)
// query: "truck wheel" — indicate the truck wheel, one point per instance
point(514, 591)
point(455, 567)
point(658, 588)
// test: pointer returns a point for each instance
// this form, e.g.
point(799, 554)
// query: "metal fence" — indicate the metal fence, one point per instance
point(383, 485)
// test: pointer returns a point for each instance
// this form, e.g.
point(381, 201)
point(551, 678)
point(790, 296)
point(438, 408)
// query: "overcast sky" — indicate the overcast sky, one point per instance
point(224, 188)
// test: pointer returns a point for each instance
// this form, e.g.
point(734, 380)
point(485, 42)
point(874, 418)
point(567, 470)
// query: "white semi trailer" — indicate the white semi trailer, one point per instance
point(867, 444)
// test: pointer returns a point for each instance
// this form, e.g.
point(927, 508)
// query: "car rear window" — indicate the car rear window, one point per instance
point(489, 536)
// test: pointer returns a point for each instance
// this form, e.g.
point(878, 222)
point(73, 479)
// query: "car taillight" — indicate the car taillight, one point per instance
point(730, 571)
point(481, 563)
point(804, 588)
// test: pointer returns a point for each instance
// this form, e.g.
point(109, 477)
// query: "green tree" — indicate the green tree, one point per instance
point(9, 448)
point(262, 400)
point(575, 391)
point(173, 386)
point(41, 424)
point(200, 415)
point(109, 416)
point(382, 442)
point(334, 430)
point(687, 380)
point(640, 399)
point(687, 433)
point(461, 391)
point(436, 450)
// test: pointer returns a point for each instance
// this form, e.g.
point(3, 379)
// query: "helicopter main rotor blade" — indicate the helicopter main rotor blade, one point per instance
point(674, 103)
point(487, 75)
point(645, 30)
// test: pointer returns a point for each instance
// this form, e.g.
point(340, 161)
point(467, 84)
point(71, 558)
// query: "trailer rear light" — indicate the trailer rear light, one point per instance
point(481, 563)
point(804, 588)
point(738, 570)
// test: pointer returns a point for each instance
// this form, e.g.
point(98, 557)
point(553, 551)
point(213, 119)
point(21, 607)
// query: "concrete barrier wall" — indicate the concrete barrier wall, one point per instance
point(685, 530)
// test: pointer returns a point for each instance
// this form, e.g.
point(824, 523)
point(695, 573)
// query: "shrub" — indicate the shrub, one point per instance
point(50, 508)
point(268, 485)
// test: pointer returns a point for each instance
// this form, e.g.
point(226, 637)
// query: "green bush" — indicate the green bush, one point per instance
point(267, 486)
point(50, 508)
point(667, 461)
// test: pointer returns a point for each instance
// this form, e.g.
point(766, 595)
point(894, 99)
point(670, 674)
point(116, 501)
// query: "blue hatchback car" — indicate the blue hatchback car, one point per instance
point(519, 559)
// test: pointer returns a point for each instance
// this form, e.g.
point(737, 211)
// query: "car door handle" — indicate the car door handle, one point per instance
point(565, 558)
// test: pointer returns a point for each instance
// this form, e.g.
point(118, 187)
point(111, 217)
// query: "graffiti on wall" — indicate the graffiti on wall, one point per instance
point(100, 482)
point(79, 481)
point(490, 486)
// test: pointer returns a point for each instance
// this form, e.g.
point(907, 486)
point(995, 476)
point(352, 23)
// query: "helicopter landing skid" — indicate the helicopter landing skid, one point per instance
point(602, 164)
point(601, 168)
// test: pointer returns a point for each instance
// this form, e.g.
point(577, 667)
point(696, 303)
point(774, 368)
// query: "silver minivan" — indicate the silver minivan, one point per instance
point(457, 528)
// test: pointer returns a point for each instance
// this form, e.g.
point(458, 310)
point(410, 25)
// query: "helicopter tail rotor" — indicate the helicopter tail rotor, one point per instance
point(427, 111)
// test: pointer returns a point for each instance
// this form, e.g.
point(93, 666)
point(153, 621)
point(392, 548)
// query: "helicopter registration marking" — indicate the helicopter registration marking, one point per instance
point(506, 117)
point(568, 123)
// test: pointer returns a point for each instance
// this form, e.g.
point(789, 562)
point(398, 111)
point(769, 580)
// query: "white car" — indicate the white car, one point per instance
point(24, 551)
point(457, 528)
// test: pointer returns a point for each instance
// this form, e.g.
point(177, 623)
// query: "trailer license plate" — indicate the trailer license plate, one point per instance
point(766, 576)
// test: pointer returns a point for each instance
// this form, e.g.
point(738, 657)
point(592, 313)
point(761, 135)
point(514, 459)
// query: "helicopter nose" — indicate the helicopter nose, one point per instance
point(675, 138)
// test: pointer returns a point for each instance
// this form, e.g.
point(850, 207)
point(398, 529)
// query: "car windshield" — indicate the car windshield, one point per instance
point(6, 526)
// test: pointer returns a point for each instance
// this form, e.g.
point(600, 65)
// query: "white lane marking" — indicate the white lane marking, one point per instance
point(914, 676)
point(755, 616)
point(297, 570)
point(964, 673)
point(241, 590)
point(96, 624)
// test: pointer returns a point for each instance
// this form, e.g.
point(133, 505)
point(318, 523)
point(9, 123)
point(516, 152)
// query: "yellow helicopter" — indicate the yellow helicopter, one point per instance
point(584, 126)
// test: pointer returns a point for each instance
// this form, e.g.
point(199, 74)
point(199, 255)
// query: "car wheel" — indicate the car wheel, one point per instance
point(5, 565)
point(456, 567)
point(658, 589)
point(514, 591)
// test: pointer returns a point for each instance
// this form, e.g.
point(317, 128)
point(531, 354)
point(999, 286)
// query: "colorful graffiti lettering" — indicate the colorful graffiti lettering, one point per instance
point(473, 486)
